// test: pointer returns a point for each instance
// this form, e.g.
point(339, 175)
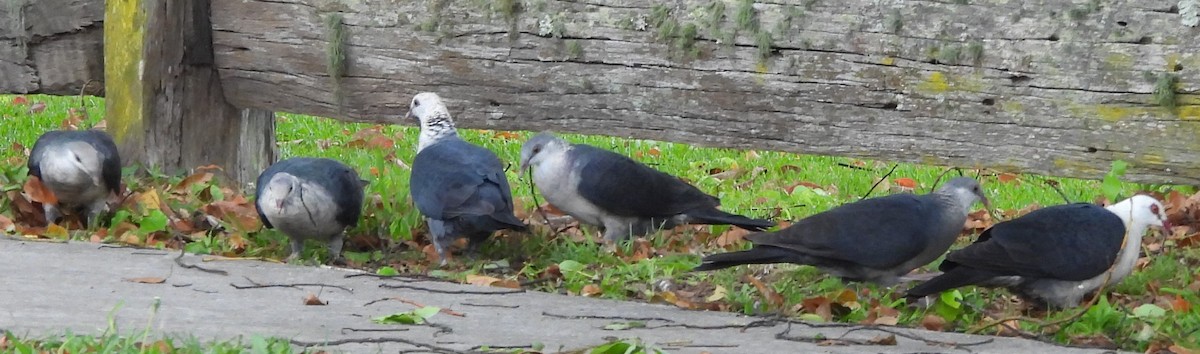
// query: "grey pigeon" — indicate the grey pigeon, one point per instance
point(624, 197)
point(310, 198)
point(460, 188)
point(1053, 256)
point(82, 168)
point(874, 240)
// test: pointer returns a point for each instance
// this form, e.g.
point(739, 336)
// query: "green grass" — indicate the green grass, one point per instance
point(642, 270)
point(117, 344)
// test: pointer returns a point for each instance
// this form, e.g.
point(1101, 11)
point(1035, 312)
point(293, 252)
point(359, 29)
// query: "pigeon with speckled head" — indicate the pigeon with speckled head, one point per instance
point(310, 199)
point(82, 168)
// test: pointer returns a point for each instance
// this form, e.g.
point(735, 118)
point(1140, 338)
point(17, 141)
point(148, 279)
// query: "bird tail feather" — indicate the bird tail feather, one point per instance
point(954, 278)
point(717, 217)
point(510, 221)
point(760, 254)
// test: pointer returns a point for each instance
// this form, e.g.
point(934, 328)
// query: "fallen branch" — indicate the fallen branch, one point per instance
point(416, 276)
point(414, 287)
point(881, 179)
point(743, 327)
point(414, 303)
point(256, 285)
point(179, 262)
point(430, 347)
point(955, 345)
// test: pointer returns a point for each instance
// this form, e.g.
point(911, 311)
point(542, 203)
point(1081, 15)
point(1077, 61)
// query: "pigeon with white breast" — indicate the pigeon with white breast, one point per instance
point(460, 188)
point(624, 197)
point(1053, 256)
point(82, 168)
point(874, 240)
point(310, 199)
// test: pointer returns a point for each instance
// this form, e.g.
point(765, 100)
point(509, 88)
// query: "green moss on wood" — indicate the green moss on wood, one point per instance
point(335, 55)
point(574, 50)
point(895, 22)
point(508, 8)
point(1164, 91)
point(975, 52)
point(746, 18)
point(715, 15)
point(764, 42)
point(949, 54)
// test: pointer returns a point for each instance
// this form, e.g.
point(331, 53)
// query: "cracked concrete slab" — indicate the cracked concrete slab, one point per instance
point(49, 288)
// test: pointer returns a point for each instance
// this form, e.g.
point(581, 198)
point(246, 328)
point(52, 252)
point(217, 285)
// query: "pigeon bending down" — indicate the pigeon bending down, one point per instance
point(459, 187)
point(80, 167)
point(1054, 256)
point(310, 198)
point(874, 240)
point(623, 196)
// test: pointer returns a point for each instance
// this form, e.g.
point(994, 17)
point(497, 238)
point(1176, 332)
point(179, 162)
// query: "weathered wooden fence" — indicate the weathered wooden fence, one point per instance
point(1054, 87)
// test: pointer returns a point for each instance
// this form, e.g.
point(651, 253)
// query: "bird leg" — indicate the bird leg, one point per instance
point(52, 213)
point(297, 249)
point(94, 210)
point(335, 247)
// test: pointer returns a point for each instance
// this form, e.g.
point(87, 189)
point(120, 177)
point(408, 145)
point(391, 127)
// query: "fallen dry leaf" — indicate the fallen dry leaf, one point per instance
point(933, 323)
point(38, 192)
point(774, 300)
point(906, 182)
point(56, 232)
point(184, 186)
point(313, 300)
point(820, 306)
point(590, 290)
point(884, 340)
point(37, 107)
point(481, 280)
point(147, 280)
point(20, 100)
point(734, 236)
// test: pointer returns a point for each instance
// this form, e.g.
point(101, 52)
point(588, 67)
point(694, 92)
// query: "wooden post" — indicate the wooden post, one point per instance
point(166, 106)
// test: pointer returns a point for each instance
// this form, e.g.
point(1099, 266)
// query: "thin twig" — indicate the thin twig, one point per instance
point(933, 186)
point(256, 285)
point(743, 327)
point(537, 205)
point(399, 277)
point(434, 348)
point(600, 317)
point(490, 305)
point(1054, 184)
point(417, 304)
point(955, 345)
point(179, 262)
point(349, 330)
point(881, 179)
point(440, 291)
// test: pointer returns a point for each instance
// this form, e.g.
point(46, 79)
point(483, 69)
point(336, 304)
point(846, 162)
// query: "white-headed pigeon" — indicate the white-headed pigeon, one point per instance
point(624, 197)
point(459, 187)
point(310, 198)
point(82, 168)
point(873, 240)
point(1055, 255)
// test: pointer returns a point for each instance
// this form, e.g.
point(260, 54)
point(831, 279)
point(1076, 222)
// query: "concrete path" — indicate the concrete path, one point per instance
point(47, 288)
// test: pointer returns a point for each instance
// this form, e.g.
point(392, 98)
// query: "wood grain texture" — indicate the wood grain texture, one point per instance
point(51, 46)
point(1053, 87)
point(166, 105)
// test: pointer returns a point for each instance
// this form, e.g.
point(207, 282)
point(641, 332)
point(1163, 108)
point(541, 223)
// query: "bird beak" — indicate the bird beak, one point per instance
point(409, 115)
point(986, 203)
point(524, 166)
point(1166, 228)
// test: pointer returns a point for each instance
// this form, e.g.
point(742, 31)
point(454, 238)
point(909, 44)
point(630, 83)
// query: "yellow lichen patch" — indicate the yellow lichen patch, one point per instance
point(936, 83)
point(1109, 112)
point(939, 82)
point(124, 22)
point(1151, 159)
point(1076, 167)
point(1118, 61)
point(887, 60)
point(1172, 61)
point(1012, 106)
point(1189, 112)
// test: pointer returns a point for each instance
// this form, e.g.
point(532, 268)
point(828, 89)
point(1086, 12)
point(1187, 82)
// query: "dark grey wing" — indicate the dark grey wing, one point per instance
point(622, 186)
point(347, 189)
point(110, 168)
point(446, 177)
point(1067, 242)
point(878, 233)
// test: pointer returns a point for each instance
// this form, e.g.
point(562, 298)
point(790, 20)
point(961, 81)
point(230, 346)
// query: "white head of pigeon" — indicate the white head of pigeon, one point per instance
point(81, 167)
point(76, 163)
point(541, 148)
point(1138, 213)
point(278, 194)
point(427, 108)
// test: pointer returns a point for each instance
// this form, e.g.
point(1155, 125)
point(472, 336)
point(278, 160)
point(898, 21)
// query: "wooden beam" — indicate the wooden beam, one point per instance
point(1053, 87)
point(166, 107)
point(51, 46)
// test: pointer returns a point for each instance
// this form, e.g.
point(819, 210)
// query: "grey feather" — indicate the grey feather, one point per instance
point(310, 198)
point(625, 197)
point(82, 168)
point(1053, 256)
point(459, 188)
point(874, 240)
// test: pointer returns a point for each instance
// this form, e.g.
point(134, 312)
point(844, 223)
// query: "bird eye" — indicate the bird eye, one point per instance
point(537, 149)
point(1154, 209)
point(416, 103)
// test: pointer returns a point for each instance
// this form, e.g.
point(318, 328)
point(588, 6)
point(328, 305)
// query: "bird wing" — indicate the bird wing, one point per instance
point(1068, 242)
point(879, 232)
point(343, 183)
point(447, 177)
point(110, 165)
point(626, 187)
